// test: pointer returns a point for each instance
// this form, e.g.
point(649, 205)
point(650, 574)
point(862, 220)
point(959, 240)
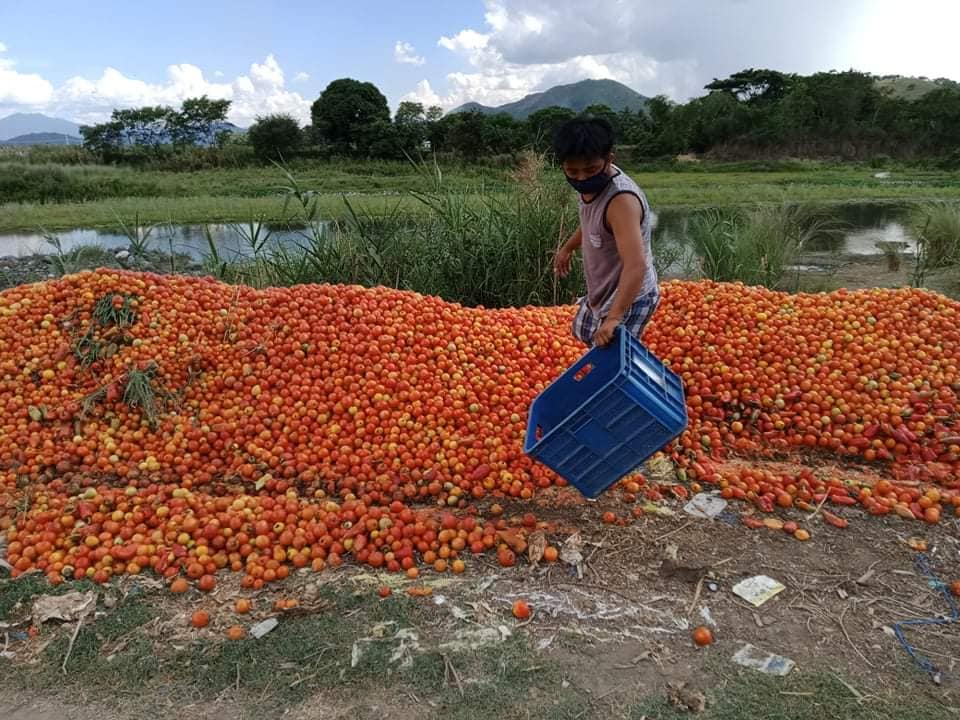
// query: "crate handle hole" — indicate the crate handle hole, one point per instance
point(538, 434)
point(583, 372)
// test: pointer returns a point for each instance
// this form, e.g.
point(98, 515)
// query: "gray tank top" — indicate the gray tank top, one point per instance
point(601, 261)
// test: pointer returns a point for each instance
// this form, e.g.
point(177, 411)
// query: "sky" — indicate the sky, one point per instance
point(78, 61)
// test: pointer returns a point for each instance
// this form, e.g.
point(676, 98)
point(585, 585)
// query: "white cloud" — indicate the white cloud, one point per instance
point(465, 41)
point(301, 77)
point(404, 52)
point(673, 48)
point(28, 91)
point(424, 94)
point(218, 73)
point(85, 100)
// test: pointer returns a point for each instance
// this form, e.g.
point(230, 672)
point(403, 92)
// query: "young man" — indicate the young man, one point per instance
point(613, 238)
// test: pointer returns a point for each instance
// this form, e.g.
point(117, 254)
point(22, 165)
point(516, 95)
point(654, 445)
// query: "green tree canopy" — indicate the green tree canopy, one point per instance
point(346, 112)
point(275, 137)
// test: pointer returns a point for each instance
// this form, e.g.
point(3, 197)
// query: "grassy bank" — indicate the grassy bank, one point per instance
point(495, 247)
point(403, 658)
point(94, 196)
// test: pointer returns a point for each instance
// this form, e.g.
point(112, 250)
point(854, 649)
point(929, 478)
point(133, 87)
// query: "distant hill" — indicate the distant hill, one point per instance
point(43, 139)
point(912, 88)
point(577, 96)
point(19, 124)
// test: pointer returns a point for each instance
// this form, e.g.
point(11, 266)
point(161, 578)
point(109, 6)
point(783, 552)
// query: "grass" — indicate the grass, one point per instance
point(99, 193)
point(937, 227)
point(753, 245)
point(303, 656)
point(66, 262)
point(116, 660)
point(799, 696)
point(99, 654)
point(493, 250)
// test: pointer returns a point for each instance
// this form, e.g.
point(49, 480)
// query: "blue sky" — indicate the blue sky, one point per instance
point(79, 62)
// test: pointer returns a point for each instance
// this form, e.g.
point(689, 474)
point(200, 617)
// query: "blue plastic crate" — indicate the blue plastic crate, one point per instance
point(606, 415)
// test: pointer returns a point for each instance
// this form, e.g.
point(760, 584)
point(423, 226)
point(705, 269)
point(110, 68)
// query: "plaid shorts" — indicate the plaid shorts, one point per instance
point(586, 322)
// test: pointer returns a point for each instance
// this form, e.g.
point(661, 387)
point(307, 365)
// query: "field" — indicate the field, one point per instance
point(332, 440)
point(58, 197)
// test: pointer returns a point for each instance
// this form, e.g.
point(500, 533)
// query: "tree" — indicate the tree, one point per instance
point(844, 102)
point(275, 137)
point(631, 126)
point(144, 126)
point(711, 120)
point(103, 139)
point(345, 113)
point(195, 123)
point(410, 113)
point(410, 126)
point(542, 125)
point(755, 85)
point(465, 134)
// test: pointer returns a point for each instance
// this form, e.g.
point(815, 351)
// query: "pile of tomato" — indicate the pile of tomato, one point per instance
point(290, 428)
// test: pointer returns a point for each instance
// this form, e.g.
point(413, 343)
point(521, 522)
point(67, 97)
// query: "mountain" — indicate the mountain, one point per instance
point(44, 138)
point(913, 88)
point(577, 96)
point(27, 123)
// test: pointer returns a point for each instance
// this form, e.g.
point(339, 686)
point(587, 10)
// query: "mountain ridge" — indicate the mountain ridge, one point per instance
point(576, 96)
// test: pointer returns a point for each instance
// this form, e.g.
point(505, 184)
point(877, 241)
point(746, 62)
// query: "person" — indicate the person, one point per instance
point(613, 237)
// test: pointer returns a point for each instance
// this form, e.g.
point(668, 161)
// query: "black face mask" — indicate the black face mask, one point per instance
point(592, 185)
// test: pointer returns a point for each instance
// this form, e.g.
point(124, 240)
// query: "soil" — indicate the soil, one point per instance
point(622, 631)
point(857, 272)
point(15, 270)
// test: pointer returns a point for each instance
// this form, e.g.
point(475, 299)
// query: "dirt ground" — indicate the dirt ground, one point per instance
point(603, 640)
point(824, 272)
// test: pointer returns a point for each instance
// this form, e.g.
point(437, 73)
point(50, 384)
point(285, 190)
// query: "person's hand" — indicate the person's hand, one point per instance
point(604, 334)
point(561, 261)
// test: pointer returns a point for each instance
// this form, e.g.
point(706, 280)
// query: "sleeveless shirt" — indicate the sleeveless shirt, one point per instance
point(601, 261)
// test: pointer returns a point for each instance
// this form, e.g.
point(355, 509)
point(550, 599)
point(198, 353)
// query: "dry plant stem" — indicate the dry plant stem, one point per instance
point(674, 531)
point(73, 639)
point(696, 596)
point(847, 636)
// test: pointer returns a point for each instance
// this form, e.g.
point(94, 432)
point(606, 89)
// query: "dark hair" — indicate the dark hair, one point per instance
point(583, 138)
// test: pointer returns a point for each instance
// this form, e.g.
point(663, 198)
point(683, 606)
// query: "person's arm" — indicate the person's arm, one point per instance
point(561, 262)
point(625, 218)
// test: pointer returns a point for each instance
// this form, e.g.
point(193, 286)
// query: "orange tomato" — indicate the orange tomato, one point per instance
point(521, 610)
point(702, 636)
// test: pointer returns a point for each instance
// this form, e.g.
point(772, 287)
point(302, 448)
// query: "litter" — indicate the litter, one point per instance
point(707, 617)
point(923, 565)
point(535, 548)
point(758, 589)
point(658, 510)
point(476, 638)
point(69, 607)
point(753, 657)
point(262, 628)
point(572, 553)
point(705, 505)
